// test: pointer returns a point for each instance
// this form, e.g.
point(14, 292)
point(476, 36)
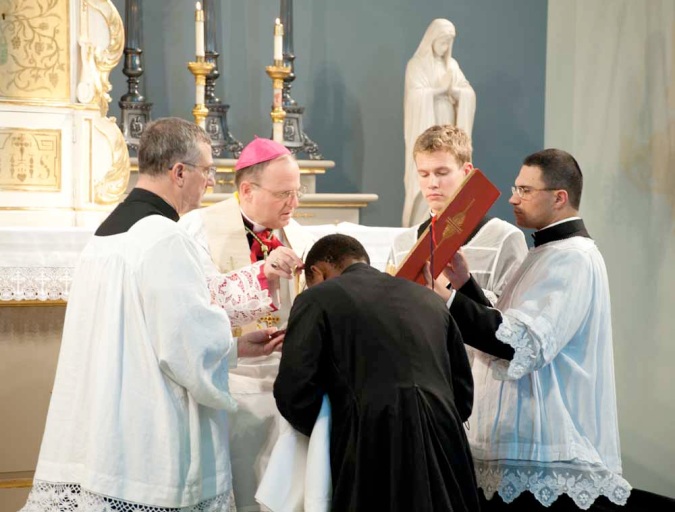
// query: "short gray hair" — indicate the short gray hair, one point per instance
point(167, 141)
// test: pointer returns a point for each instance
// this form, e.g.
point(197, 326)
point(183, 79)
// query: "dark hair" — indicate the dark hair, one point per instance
point(335, 249)
point(167, 141)
point(559, 170)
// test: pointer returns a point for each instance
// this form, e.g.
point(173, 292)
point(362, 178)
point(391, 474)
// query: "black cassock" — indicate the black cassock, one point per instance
point(392, 361)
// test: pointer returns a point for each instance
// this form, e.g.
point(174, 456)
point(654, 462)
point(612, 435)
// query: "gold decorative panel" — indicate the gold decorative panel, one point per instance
point(30, 160)
point(34, 49)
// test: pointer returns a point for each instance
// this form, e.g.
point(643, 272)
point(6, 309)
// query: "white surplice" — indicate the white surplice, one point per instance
point(255, 427)
point(547, 420)
point(138, 411)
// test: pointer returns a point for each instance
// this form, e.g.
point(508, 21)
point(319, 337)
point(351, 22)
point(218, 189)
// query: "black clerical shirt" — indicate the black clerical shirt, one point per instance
point(139, 204)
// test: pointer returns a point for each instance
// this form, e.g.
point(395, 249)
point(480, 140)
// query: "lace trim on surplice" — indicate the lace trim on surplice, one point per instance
point(61, 497)
point(584, 483)
point(239, 293)
point(530, 342)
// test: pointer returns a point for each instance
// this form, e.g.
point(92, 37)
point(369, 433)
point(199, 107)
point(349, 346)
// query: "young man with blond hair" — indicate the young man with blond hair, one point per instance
point(495, 248)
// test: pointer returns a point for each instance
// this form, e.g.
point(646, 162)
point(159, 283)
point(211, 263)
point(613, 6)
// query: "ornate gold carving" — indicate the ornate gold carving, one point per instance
point(455, 224)
point(110, 189)
point(34, 49)
point(97, 62)
point(30, 160)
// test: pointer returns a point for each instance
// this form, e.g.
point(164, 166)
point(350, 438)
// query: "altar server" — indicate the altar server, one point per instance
point(495, 249)
point(544, 428)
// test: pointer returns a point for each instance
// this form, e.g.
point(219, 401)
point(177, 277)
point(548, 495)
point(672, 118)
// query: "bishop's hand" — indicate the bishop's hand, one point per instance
point(282, 262)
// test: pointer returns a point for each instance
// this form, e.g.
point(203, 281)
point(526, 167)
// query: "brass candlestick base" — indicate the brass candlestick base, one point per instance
point(200, 69)
point(277, 73)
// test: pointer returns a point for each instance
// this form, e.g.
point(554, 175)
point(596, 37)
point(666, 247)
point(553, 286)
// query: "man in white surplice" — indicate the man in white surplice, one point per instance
point(545, 417)
point(496, 248)
point(138, 417)
point(255, 227)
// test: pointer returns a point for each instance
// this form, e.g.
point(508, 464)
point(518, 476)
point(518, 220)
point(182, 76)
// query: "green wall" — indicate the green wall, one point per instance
point(351, 58)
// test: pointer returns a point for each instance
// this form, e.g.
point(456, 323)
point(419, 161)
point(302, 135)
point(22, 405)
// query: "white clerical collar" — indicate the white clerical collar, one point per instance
point(257, 228)
point(560, 222)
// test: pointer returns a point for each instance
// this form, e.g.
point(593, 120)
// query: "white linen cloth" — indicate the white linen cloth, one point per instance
point(298, 476)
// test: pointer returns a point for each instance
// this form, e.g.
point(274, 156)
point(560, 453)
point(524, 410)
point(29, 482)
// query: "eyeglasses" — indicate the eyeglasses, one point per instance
point(209, 171)
point(284, 195)
point(523, 192)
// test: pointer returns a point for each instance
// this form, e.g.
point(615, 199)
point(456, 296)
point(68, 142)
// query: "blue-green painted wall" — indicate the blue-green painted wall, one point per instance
point(351, 58)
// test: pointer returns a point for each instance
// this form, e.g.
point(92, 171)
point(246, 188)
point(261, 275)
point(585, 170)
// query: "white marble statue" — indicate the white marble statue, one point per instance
point(436, 92)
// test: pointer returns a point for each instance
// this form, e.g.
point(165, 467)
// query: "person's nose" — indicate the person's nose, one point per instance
point(294, 201)
point(514, 199)
point(434, 181)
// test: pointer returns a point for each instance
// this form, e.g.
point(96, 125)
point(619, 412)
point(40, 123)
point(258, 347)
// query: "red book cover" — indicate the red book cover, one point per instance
point(452, 227)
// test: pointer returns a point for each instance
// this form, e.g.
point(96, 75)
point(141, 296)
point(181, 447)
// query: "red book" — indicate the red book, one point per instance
point(451, 228)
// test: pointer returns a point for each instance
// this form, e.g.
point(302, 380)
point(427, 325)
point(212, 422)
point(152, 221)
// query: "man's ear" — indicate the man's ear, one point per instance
point(561, 198)
point(245, 189)
point(317, 276)
point(323, 271)
point(177, 173)
point(467, 168)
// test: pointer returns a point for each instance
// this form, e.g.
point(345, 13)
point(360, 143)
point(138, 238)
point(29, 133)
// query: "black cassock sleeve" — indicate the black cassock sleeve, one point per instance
point(297, 389)
point(478, 322)
point(462, 379)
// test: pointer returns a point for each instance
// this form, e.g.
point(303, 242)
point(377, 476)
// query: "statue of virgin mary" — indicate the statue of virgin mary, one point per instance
point(436, 92)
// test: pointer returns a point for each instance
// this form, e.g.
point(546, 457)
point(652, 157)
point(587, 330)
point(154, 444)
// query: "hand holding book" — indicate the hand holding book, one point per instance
point(451, 228)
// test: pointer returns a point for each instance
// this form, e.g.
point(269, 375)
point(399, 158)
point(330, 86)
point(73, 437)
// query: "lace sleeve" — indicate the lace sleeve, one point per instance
point(530, 340)
point(241, 295)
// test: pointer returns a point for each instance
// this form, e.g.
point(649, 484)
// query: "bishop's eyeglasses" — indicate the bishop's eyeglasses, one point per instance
point(284, 195)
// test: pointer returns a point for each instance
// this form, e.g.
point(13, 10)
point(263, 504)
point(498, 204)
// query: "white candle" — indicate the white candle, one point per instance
point(199, 30)
point(278, 40)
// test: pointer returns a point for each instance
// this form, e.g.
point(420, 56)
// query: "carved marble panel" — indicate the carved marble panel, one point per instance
point(30, 160)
